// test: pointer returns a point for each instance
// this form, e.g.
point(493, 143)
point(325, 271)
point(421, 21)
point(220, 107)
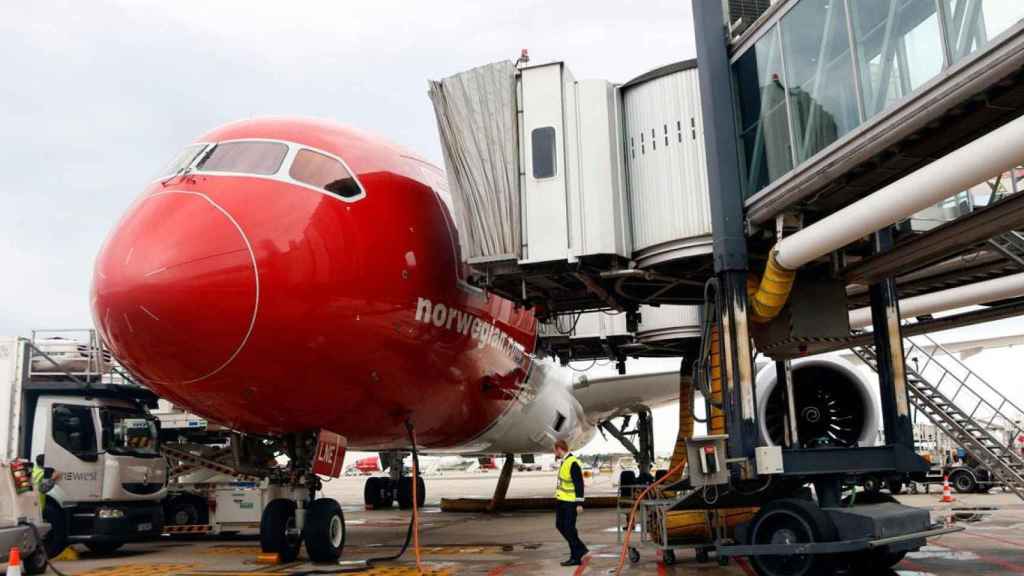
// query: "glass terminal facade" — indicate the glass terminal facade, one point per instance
point(827, 66)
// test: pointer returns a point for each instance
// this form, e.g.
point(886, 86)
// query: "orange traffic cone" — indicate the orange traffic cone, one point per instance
point(14, 562)
point(947, 494)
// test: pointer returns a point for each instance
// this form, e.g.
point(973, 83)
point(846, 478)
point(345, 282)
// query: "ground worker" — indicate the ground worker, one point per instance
point(41, 483)
point(569, 494)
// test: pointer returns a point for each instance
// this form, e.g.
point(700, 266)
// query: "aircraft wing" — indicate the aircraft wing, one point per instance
point(965, 348)
point(608, 396)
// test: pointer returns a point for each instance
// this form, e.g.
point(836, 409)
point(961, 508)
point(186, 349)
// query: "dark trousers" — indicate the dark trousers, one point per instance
point(565, 521)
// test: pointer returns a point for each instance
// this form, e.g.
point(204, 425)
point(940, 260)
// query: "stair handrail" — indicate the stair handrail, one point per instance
point(1016, 425)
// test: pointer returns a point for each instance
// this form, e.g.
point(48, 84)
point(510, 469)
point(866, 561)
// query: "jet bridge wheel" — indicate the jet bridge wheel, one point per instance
point(791, 521)
point(277, 530)
point(324, 533)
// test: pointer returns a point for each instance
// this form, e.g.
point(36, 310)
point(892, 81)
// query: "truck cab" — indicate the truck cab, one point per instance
point(112, 473)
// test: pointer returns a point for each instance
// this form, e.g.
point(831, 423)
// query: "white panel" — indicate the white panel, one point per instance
point(10, 397)
point(668, 323)
point(666, 170)
point(545, 229)
point(598, 209)
point(600, 325)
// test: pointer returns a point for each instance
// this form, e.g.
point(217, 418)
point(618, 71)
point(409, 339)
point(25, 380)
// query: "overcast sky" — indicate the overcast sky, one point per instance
point(97, 96)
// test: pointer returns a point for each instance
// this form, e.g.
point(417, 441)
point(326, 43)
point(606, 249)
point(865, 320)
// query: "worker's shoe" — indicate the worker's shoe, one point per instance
point(571, 562)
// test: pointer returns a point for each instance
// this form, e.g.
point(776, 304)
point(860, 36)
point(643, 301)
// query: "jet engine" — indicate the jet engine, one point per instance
point(835, 405)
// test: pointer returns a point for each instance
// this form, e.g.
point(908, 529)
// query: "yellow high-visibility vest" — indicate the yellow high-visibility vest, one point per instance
point(566, 490)
point(38, 474)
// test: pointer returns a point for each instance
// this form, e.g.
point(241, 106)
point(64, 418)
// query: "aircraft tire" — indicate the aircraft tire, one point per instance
point(277, 517)
point(324, 532)
point(404, 492)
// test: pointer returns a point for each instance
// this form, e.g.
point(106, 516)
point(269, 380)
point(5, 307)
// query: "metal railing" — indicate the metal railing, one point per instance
point(75, 354)
point(958, 401)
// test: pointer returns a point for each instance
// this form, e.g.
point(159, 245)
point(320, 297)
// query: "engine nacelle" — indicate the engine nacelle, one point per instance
point(835, 405)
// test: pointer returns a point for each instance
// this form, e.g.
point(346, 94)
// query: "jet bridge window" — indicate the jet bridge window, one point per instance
point(244, 157)
point(74, 430)
point(542, 141)
point(322, 171)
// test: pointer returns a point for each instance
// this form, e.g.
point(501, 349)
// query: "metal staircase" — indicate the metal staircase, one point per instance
point(1011, 245)
point(964, 406)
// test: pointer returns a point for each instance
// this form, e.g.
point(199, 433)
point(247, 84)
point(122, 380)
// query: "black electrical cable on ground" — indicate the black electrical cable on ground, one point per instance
point(408, 532)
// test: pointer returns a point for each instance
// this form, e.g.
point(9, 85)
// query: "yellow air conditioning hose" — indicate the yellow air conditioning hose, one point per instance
point(769, 294)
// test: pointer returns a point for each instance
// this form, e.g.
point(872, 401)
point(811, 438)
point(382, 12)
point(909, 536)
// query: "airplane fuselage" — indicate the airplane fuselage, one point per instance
point(292, 275)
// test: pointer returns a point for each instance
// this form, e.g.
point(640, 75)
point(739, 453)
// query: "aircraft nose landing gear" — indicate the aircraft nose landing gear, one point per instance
point(295, 516)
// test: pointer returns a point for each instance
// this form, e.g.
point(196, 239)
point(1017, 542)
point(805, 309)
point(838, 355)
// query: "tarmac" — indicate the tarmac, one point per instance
point(521, 543)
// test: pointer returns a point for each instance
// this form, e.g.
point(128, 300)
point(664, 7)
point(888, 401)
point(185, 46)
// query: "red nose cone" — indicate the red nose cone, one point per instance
point(175, 290)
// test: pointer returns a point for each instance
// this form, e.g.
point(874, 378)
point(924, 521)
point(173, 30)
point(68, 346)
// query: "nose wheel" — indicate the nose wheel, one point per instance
point(279, 533)
point(324, 533)
point(322, 530)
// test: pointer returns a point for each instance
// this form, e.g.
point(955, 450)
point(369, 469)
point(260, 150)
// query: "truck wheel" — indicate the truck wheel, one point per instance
point(186, 511)
point(36, 562)
point(963, 482)
point(277, 533)
point(56, 539)
point(405, 492)
point(791, 521)
point(871, 484)
point(895, 485)
point(103, 547)
point(325, 530)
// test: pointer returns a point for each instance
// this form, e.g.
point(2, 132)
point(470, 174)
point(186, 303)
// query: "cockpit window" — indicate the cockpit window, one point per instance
point(252, 157)
point(322, 171)
point(183, 160)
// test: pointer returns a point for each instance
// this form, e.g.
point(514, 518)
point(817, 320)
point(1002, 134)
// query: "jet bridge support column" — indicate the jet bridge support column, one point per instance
point(730, 247)
point(888, 336)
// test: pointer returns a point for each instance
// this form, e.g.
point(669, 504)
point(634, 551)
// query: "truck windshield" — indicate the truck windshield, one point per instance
point(127, 431)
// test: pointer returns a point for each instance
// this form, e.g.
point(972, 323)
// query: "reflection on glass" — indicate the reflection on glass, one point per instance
point(899, 48)
point(795, 88)
point(762, 110)
point(970, 24)
point(819, 74)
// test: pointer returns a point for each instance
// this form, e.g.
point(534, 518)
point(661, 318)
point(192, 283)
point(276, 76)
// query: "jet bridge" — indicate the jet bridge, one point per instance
point(829, 168)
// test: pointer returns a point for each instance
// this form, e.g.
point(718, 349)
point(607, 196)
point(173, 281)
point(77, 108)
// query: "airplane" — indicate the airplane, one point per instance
point(367, 465)
point(301, 282)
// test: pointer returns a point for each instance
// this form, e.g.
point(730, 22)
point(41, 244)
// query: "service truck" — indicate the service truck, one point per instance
point(206, 492)
point(92, 430)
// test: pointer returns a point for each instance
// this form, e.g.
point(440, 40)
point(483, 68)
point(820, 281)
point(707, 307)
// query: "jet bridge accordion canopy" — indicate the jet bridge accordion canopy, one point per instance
point(476, 119)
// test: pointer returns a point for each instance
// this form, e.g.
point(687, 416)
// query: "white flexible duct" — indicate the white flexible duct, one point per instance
point(984, 158)
point(959, 297)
